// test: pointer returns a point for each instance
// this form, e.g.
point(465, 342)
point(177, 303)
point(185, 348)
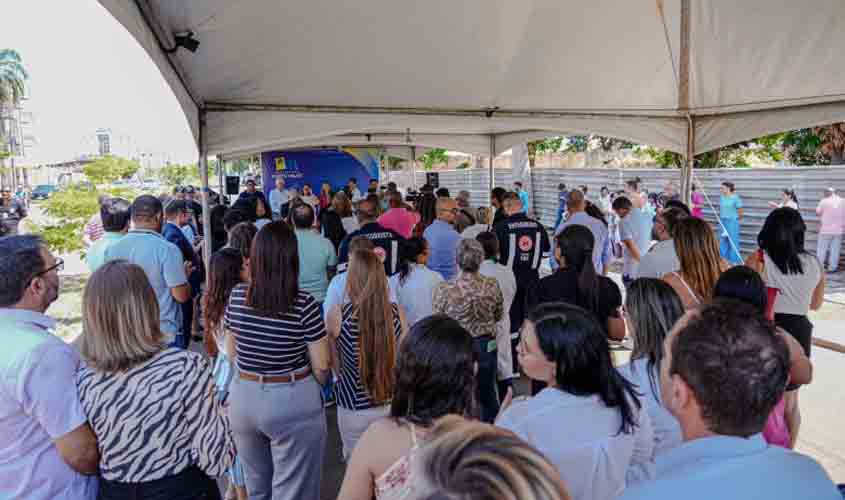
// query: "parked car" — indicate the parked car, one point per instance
point(43, 191)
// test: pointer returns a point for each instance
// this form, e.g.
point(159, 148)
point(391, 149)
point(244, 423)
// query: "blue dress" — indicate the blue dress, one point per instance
point(729, 216)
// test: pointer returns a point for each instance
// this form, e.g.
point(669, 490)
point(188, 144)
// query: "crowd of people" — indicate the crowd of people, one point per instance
point(415, 314)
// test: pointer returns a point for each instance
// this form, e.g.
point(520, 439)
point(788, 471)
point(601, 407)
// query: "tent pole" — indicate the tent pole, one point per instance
point(206, 213)
point(414, 167)
point(220, 177)
point(491, 177)
point(689, 162)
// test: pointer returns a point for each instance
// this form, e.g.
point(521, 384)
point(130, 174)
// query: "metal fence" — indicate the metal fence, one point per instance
point(756, 186)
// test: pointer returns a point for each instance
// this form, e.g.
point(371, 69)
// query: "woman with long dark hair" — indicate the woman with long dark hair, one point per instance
point(799, 279)
point(414, 284)
point(282, 355)
point(226, 271)
point(434, 377)
point(427, 207)
point(588, 420)
point(576, 282)
point(651, 309)
point(366, 332)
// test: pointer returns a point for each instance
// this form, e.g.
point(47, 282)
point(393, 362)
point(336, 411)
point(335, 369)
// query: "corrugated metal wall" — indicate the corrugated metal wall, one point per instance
point(756, 186)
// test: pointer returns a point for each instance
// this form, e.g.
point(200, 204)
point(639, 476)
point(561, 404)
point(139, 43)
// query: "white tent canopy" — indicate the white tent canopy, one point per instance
point(482, 75)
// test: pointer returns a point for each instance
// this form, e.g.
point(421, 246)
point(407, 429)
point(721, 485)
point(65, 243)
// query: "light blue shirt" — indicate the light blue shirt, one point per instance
point(733, 468)
point(729, 206)
point(580, 436)
point(523, 197)
point(316, 255)
point(38, 403)
point(667, 429)
point(416, 294)
point(602, 254)
point(277, 199)
point(96, 256)
point(336, 294)
point(443, 246)
point(162, 263)
point(636, 226)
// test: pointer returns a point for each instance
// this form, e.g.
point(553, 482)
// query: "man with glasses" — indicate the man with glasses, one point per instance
point(443, 239)
point(12, 211)
point(47, 448)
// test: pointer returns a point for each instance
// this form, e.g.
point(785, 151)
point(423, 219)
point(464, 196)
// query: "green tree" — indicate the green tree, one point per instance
point(433, 157)
point(13, 77)
point(108, 169)
point(174, 174)
point(542, 146)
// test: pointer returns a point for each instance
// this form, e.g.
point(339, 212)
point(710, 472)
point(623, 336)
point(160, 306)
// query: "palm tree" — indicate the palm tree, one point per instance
point(12, 77)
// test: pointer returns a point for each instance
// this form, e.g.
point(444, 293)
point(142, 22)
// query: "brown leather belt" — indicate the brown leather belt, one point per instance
point(287, 378)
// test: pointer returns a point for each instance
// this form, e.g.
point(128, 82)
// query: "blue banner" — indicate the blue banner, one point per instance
point(315, 166)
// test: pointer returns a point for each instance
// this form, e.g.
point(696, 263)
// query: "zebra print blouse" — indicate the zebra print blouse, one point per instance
point(157, 419)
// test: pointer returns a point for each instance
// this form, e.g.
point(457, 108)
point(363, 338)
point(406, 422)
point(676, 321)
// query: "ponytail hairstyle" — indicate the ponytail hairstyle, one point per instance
point(374, 314)
point(790, 193)
point(573, 340)
point(576, 248)
point(409, 251)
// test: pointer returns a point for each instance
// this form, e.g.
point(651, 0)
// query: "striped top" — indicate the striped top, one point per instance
point(156, 419)
point(273, 345)
point(350, 391)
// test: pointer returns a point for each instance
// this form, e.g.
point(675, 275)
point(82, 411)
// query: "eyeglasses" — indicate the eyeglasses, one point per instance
point(59, 266)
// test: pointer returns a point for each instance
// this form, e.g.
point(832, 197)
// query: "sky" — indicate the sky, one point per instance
point(86, 73)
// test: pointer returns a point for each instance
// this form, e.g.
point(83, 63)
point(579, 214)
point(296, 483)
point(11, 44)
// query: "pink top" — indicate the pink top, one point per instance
point(400, 220)
point(697, 205)
point(832, 213)
point(396, 483)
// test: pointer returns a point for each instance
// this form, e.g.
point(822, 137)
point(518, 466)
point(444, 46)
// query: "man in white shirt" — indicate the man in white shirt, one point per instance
point(723, 372)
point(662, 258)
point(279, 199)
point(831, 210)
point(635, 235)
point(354, 193)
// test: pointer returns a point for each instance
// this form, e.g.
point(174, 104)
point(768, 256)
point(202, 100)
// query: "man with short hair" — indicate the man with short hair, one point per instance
point(114, 214)
point(723, 372)
point(634, 234)
point(496, 200)
point(442, 192)
point(352, 190)
point(662, 259)
point(47, 449)
point(562, 196)
point(523, 242)
point(386, 240)
point(279, 199)
point(443, 239)
point(12, 212)
point(161, 260)
point(317, 258)
point(831, 210)
point(178, 216)
point(576, 205)
point(373, 187)
point(252, 193)
point(523, 196)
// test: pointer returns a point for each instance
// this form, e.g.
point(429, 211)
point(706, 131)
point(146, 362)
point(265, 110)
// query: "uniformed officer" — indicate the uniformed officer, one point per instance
point(387, 241)
point(12, 211)
point(523, 243)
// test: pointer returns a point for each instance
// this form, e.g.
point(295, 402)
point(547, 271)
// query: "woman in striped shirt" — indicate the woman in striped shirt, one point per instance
point(282, 355)
point(366, 331)
point(154, 409)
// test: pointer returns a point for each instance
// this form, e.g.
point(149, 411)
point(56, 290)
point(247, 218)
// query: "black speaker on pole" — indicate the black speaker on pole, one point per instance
point(233, 184)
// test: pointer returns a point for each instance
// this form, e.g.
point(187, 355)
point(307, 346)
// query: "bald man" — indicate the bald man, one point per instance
point(443, 239)
point(576, 204)
point(387, 242)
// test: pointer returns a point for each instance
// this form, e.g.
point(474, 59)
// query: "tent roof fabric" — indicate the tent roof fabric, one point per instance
point(476, 75)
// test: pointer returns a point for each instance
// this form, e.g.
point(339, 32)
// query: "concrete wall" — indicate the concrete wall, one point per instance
point(756, 186)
